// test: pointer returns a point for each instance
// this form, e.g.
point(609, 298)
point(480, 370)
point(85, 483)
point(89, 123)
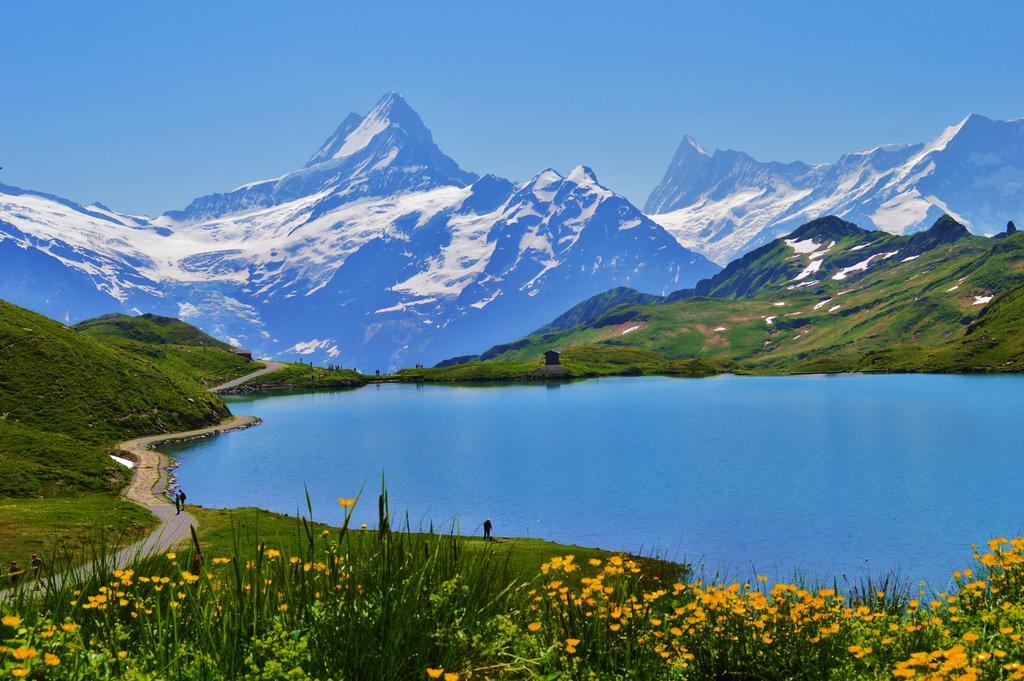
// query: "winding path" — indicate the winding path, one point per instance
point(150, 476)
point(269, 368)
point(150, 480)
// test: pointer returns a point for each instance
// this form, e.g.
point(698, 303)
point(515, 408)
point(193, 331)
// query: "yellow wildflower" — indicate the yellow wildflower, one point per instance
point(12, 620)
point(434, 673)
point(346, 503)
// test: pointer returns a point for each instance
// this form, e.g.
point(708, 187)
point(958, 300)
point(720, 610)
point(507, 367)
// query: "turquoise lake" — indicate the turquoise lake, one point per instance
point(817, 475)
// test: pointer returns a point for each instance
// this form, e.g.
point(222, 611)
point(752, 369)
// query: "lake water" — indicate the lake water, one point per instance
point(817, 475)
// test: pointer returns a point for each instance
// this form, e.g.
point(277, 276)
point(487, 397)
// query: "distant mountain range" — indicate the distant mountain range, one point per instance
point(381, 252)
point(724, 203)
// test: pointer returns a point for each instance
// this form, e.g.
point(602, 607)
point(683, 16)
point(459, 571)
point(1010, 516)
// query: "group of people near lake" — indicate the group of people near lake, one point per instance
point(15, 573)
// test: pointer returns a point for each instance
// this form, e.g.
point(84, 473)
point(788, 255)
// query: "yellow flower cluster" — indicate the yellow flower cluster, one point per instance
point(976, 625)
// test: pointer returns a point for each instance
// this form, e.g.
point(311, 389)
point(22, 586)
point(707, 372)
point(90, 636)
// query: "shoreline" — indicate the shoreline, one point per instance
point(151, 475)
point(491, 381)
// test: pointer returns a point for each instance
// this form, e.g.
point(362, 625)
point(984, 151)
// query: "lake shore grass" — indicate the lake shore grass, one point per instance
point(64, 529)
point(276, 597)
point(239, 532)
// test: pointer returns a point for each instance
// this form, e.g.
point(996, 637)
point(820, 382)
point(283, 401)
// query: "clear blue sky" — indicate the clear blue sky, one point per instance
point(146, 105)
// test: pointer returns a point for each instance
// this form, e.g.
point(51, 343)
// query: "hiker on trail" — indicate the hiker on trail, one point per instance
point(487, 530)
point(179, 500)
point(15, 572)
point(37, 568)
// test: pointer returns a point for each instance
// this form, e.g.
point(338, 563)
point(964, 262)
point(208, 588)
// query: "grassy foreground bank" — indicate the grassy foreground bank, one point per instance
point(292, 600)
point(66, 528)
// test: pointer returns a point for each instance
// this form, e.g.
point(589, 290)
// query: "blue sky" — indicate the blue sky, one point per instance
point(146, 105)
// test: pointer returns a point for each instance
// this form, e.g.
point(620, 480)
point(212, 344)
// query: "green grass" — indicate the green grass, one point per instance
point(275, 598)
point(578, 360)
point(149, 328)
point(57, 380)
point(65, 528)
point(66, 398)
point(298, 376)
point(239, 532)
point(206, 366)
point(36, 463)
point(171, 345)
point(331, 603)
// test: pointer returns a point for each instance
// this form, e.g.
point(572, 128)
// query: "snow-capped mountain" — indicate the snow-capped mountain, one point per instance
point(725, 203)
point(71, 262)
point(386, 152)
point(380, 252)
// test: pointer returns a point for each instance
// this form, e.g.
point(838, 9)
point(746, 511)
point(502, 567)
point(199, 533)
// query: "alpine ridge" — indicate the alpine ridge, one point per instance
point(724, 203)
point(380, 252)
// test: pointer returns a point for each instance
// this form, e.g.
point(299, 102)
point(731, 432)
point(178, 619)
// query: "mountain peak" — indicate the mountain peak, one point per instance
point(689, 143)
point(690, 147)
point(393, 102)
point(971, 125)
point(357, 132)
point(947, 228)
point(974, 119)
point(581, 174)
point(545, 177)
point(828, 227)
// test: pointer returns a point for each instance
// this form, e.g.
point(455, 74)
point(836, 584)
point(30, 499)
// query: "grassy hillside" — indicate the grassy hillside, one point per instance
point(992, 342)
point(830, 297)
point(298, 376)
point(173, 346)
point(579, 361)
point(149, 328)
point(66, 397)
point(57, 380)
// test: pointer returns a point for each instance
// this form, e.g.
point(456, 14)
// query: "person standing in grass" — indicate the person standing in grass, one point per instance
point(487, 530)
point(15, 573)
point(37, 568)
point(179, 500)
